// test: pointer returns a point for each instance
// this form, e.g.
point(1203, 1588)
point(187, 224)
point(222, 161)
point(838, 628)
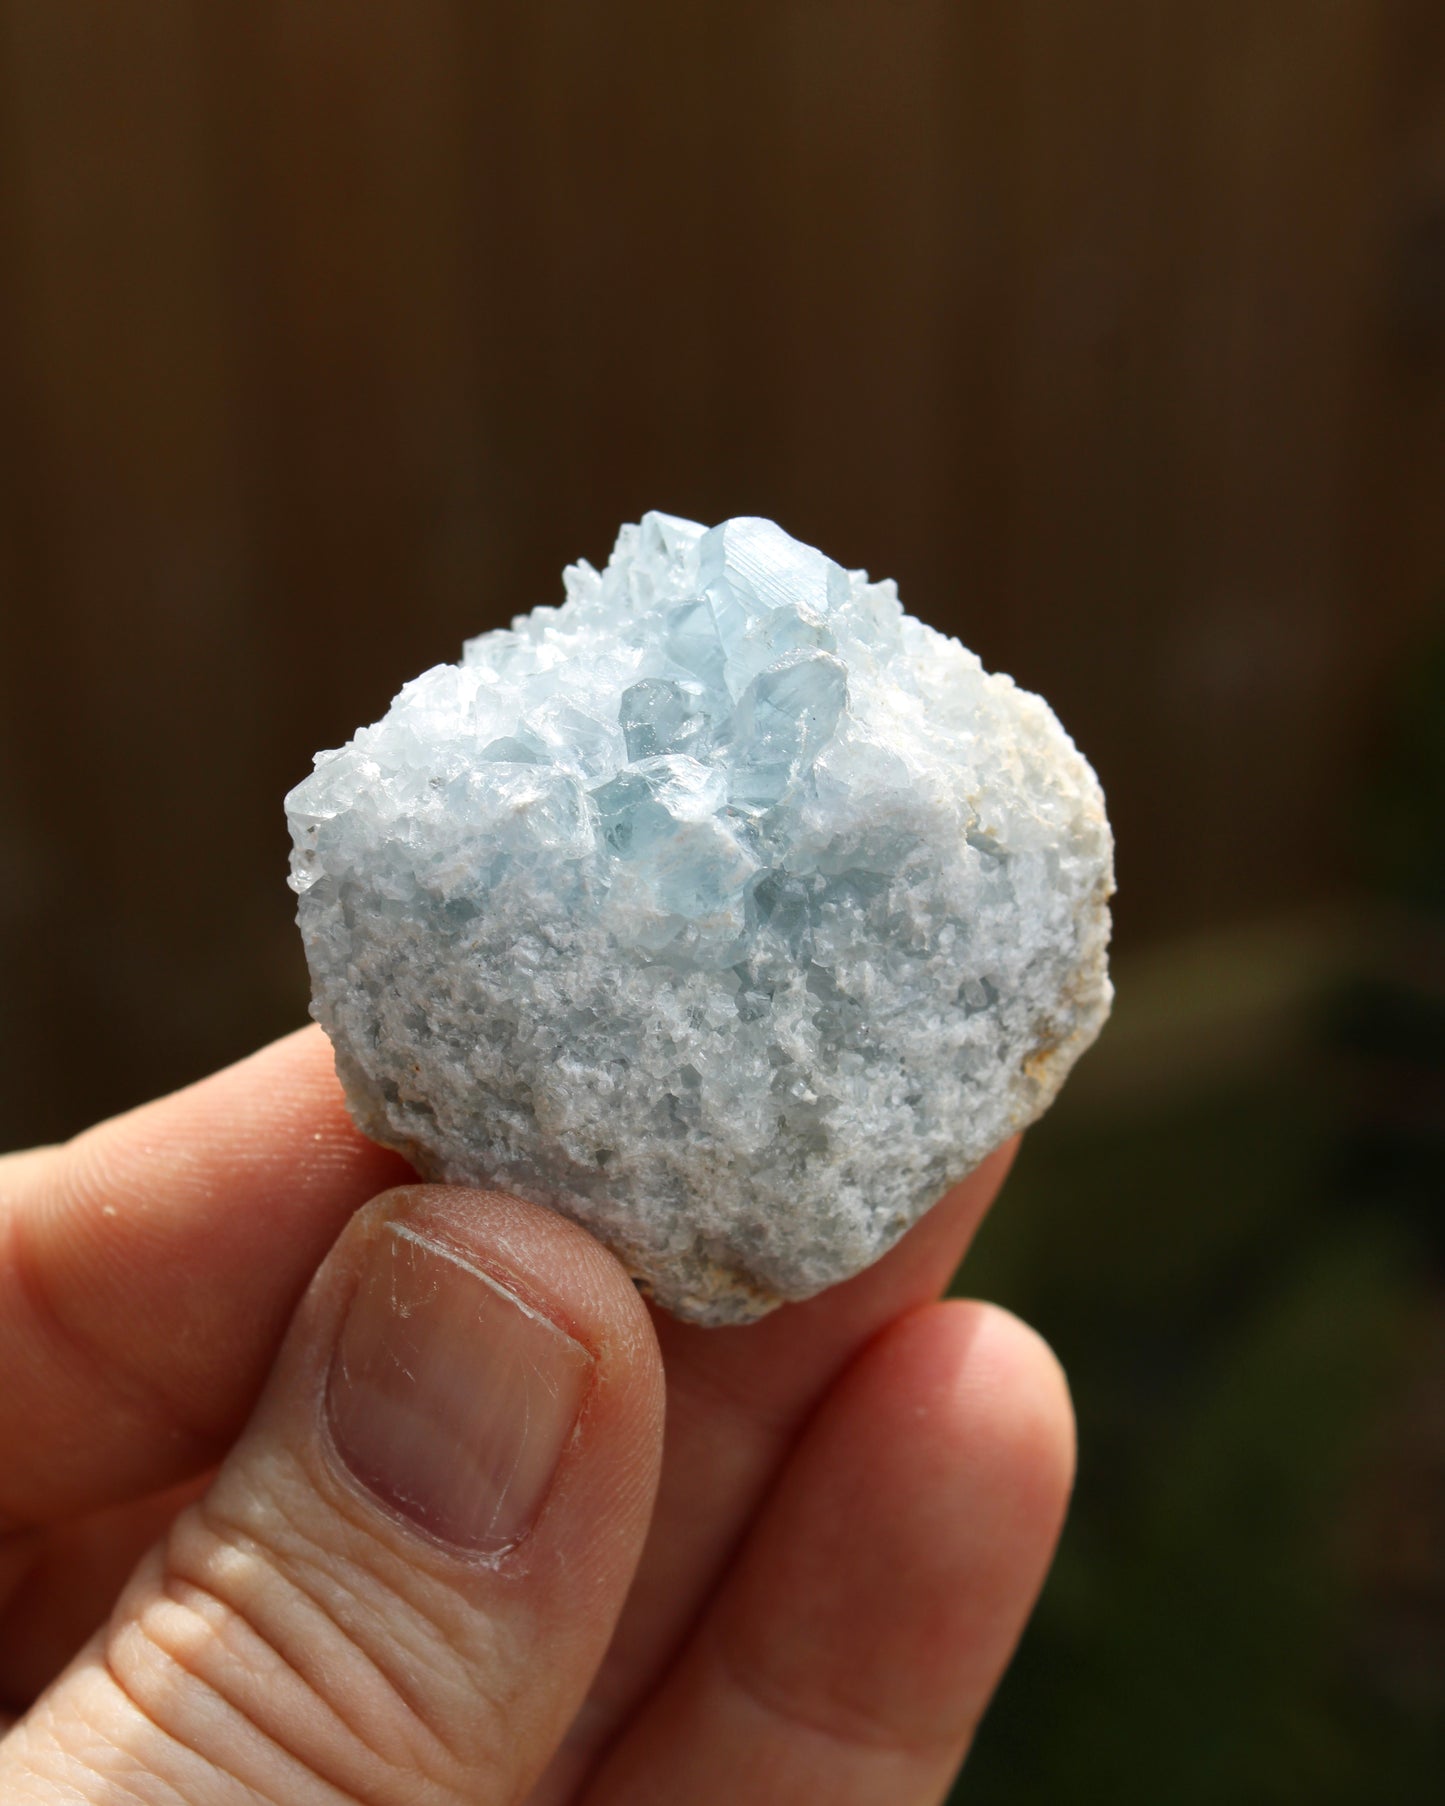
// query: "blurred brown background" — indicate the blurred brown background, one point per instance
point(1115, 332)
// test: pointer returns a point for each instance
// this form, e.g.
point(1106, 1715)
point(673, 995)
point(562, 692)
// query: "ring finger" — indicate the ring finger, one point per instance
point(858, 1638)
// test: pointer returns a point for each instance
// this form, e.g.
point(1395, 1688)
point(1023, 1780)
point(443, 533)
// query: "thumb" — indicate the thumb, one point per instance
point(406, 1572)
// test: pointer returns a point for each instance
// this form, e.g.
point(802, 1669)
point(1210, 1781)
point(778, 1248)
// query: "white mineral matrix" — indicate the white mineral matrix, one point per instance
point(726, 908)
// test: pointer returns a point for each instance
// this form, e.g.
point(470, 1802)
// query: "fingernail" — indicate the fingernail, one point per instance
point(448, 1397)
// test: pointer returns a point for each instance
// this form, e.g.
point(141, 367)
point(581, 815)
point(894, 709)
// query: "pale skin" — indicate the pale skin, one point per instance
point(808, 1590)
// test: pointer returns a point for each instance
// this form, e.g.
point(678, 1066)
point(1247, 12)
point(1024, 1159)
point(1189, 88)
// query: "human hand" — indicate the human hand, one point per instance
point(441, 1553)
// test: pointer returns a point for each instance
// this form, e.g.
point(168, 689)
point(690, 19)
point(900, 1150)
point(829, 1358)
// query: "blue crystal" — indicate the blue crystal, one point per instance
point(511, 750)
point(784, 718)
point(632, 811)
point(767, 595)
point(752, 567)
point(692, 641)
point(659, 716)
point(726, 907)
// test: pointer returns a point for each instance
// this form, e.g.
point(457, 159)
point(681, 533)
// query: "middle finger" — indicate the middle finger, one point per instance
point(736, 1400)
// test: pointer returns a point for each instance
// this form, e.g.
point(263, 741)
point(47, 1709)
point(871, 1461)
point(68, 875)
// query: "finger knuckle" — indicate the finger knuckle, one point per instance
point(274, 1659)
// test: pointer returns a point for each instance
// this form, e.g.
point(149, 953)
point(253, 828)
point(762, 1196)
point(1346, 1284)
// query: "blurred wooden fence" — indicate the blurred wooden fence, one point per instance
point(330, 329)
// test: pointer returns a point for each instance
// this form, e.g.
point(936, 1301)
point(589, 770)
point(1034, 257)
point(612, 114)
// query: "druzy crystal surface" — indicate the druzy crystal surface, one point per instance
point(726, 908)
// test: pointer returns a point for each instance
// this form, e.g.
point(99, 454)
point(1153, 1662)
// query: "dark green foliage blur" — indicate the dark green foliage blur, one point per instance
point(1245, 1286)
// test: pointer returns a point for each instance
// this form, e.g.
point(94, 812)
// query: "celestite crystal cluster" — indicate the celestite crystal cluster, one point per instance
point(726, 908)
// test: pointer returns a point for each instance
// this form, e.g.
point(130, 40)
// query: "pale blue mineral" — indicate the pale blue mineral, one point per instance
point(726, 908)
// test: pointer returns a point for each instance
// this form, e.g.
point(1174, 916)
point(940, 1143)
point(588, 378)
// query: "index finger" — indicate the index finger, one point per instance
point(149, 1267)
